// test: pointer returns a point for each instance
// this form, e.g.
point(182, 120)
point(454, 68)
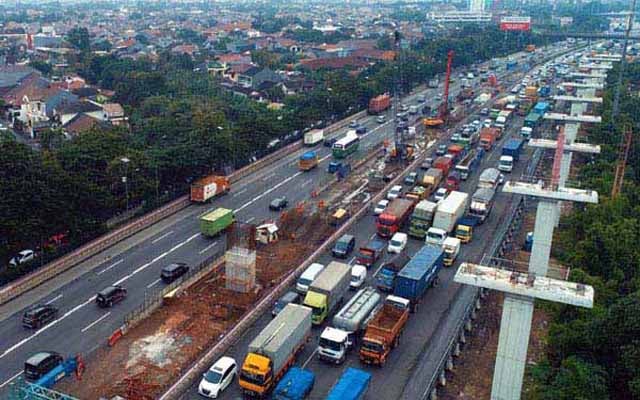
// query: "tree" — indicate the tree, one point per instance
point(42, 66)
point(79, 38)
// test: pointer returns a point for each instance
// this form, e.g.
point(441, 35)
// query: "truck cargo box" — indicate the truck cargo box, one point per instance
point(420, 273)
point(295, 385)
point(208, 187)
point(352, 385)
point(450, 210)
point(211, 224)
point(352, 316)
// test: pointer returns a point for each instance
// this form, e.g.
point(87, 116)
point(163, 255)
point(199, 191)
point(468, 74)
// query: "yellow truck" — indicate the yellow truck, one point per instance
point(327, 291)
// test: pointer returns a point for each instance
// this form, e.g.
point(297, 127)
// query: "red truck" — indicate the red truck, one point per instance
point(208, 187)
point(444, 164)
point(383, 331)
point(488, 138)
point(457, 151)
point(396, 214)
point(453, 181)
point(369, 254)
point(379, 104)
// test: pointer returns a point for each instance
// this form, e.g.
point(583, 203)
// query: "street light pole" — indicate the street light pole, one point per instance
point(126, 161)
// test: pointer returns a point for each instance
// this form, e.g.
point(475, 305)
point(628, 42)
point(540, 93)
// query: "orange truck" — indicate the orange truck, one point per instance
point(204, 189)
point(488, 138)
point(379, 104)
point(530, 48)
point(383, 331)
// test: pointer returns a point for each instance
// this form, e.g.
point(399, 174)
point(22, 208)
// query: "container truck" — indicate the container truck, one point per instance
point(419, 274)
point(352, 385)
point(308, 161)
point(327, 290)
point(532, 120)
point(541, 107)
point(450, 210)
point(204, 189)
point(510, 154)
point(394, 216)
point(430, 180)
point(468, 164)
point(526, 133)
point(273, 351)
point(457, 151)
point(444, 164)
point(371, 252)
point(379, 104)
point(451, 247)
point(347, 325)
point(383, 331)
point(211, 224)
point(387, 274)
point(489, 178)
point(453, 181)
point(295, 385)
point(482, 203)
point(313, 137)
point(488, 138)
point(421, 218)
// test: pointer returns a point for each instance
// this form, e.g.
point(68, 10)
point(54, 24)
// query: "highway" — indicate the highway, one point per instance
point(82, 326)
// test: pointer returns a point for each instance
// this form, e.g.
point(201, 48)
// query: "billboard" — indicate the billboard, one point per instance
point(515, 23)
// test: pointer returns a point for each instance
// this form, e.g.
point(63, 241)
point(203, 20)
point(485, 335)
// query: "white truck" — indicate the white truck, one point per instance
point(313, 137)
point(481, 203)
point(348, 324)
point(489, 178)
point(451, 247)
point(450, 210)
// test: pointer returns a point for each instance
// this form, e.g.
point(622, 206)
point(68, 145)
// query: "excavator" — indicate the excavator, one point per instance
point(438, 119)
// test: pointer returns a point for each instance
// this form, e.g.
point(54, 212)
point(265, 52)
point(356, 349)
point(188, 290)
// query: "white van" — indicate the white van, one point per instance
point(307, 277)
point(435, 236)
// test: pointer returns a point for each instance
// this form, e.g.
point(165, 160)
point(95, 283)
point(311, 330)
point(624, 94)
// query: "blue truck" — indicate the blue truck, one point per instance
point(511, 64)
point(544, 91)
point(513, 148)
point(352, 385)
point(419, 274)
point(541, 107)
point(386, 276)
point(295, 385)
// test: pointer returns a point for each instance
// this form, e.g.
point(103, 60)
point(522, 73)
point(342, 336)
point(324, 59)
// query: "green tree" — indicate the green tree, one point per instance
point(79, 38)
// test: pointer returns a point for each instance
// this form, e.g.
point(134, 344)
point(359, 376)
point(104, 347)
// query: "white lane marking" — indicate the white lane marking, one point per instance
point(238, 193)
point(271, 175)
point(310, 358)
point(305, 183)
point(54, 299)
point(372, 236)
point(324, 158)
point(152, 284)
point(110, 266)
point(352, 260)
point(250, 219)
point(207, 248)
point(86, 328)
point(266, 192)
point(5, 383)
point(156, 240)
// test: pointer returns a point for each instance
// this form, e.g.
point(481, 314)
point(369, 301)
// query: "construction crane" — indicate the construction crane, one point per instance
point(623, 155)
point(443, 110)
point(402, 150)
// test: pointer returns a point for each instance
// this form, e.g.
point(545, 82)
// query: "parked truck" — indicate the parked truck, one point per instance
point(451, 247)
point(394, 216)
point(211, 224)
point(421, 218)
point(419, 274)
point(204, 189)
point(313, 137)
point(384, 329)
point(352, 385)
point(371, 252)
point(295, 385)
point(327, 290)
point(379, 104)
point(385, 278)
point(450, 210)
point(273, 351)
point(488, 137)
point(347, 325)
point(308, 161)
point(510, 154)
point(482, 203)
point(444, 164)
point(469, 163)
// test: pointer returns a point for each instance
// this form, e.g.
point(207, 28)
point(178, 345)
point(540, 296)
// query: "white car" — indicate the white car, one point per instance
point(23, 257)
point(395, 192)
point(380, 207)
point(358, 276)
point(441, 193)
point(397, 243)
point(218, 377)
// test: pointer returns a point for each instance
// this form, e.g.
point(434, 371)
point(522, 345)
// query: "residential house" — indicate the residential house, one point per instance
point(82, 123)
point(66, 111)
point(12, 75)
point(114, 113)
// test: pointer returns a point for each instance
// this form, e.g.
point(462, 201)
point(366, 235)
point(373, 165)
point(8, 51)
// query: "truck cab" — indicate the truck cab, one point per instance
point(505, 164)
point(334, 345)
point(451, 247)
point(435, 236)
point(464, 230)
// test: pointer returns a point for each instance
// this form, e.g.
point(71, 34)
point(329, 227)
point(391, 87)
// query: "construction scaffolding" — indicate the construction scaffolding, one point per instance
point(23, 390)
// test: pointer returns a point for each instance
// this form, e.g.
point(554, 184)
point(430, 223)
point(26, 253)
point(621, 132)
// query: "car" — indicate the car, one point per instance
point(441, 150)
point(23, 257)
point(344, 246)
point(278, 204)
point(426, 164)
point(173, 271)
point(380, 207)
point(361, 130)
point(358, 276)
point(381, 119)
point(111, 295)
point(440, 194)
point(411, 178)
point(397, 243)
point(39, 364)
point(455, 137)
point(308, 276)
point(501, 179)
point(404, 107)
point(421, 98)
point(290, 297)
point(39, 315)
point(395, 192)
point(438, 97)
point(329, 142)
point(218, 377)
point(354, 124)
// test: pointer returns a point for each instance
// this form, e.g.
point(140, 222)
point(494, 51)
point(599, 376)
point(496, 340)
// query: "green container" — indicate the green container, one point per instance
point(216, 221)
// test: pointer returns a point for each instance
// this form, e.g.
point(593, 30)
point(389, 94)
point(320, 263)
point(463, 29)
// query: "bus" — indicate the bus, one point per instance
point(345, 146)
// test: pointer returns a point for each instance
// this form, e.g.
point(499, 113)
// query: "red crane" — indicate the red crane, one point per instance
point(623, 155)
point(443, 109)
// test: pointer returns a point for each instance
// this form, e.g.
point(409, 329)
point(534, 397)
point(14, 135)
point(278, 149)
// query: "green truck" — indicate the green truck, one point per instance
point(211, 224)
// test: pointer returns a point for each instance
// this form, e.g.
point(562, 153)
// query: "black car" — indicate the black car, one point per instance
point(328, 142)
point(40, 364)
point(361, 130)
point(288, 298)
point(173, 271)
point(39, 316)
point(279, 203)
point(111, 295)
point(344, 246)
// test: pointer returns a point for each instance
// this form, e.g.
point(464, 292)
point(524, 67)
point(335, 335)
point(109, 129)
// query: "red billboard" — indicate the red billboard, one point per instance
point(515, 24)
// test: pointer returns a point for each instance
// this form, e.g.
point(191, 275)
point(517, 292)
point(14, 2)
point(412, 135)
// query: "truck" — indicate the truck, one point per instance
point(502, 119)
point(371, 252)
point(488, 138)
point(421, 218)
point(352, 385)
point(453, 181)
point(204, 189)
point(530, 48)
point(216, 221)
point(419, 274)
point(464, 230)
point(413, 110)
point(489, 178)
point(433, 83)
point(531, 91)
point(451, 247)
point(308, 161)
point(444, 164)
point(394, 216)
point(379, 104)
point(510, 154)
point(384, 329)
point(532, 119)
point(457, 151)
point(417, 193)
point(541, 107)
point(544, 91)
point(313, 137)
point(273, 351)
point(468, 163)
point(526, 133)
point(386, 276)
point(295, 385)
point(450, 210)
point(347, 325)
point(327, 290)
point(482, 203)
point(431, 179)
point(511, 64)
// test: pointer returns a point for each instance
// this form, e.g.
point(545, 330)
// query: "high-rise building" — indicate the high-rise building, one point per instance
point(476, 5)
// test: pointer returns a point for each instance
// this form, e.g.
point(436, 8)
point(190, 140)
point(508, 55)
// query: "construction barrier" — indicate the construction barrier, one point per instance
point(115, 336)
